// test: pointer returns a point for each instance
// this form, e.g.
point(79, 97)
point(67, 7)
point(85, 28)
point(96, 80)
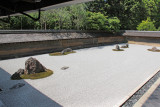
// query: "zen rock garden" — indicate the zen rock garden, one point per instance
point(33, 70)
point(63, 52)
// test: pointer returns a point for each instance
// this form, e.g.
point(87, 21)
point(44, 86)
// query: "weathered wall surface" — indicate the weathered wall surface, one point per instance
point(14, 45)
point(143, 37)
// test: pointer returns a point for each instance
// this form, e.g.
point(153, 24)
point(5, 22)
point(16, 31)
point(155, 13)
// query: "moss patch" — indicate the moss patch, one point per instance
point(153, 51)
point(59, 53)
point(37, 75)
point(117, 50)
point(124, 47)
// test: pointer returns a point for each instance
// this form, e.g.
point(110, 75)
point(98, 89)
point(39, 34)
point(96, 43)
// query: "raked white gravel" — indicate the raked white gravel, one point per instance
point(96, 77)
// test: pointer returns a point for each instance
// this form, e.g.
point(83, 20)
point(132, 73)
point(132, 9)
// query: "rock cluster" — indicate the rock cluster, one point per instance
point(125, 46)
point(32, 66)
point(66, 50)
point(117, 48)
point(154, 49)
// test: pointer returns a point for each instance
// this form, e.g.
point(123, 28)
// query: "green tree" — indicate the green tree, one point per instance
point(153, 7)
point(146, 25)
point(129, 12)
point(15, 22)
point(113, 24)
point(4, 25)
point(78, 16)
point(96, 21)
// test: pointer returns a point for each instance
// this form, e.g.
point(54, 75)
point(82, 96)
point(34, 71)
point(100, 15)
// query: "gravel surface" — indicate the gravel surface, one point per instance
point(96, 77)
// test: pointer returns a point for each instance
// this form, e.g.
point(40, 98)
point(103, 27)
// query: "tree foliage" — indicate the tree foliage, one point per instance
point(146, 25)
point(113, 24)
point(96, 21)
point(109, 15)
point(129, 12)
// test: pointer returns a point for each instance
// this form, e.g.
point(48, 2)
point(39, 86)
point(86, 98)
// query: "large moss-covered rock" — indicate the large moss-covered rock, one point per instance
point(32, 66)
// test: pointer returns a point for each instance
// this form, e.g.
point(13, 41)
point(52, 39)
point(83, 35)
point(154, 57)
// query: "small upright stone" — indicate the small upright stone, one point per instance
point(117, 47)
point(127, 45)
point(66, 50)
point(17, 74)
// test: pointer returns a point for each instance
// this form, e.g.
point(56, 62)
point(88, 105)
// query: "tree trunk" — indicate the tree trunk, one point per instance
point(45, 26)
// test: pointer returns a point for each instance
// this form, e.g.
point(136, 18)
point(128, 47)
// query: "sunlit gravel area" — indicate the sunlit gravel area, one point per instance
point(96, 77)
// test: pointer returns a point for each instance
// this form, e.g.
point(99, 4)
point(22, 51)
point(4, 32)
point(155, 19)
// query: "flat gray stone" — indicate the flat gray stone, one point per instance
point(64, 68)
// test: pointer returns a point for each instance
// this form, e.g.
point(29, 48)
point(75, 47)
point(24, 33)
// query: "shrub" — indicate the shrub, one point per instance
point(96, 21)
point(158, 29)
point(113, 24)
point(146, 25)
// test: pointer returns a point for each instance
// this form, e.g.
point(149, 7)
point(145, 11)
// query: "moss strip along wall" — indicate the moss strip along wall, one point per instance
point(19, 49)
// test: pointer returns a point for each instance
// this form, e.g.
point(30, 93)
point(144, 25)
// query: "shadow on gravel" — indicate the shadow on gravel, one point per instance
point(18, 93)
point(154, 99)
